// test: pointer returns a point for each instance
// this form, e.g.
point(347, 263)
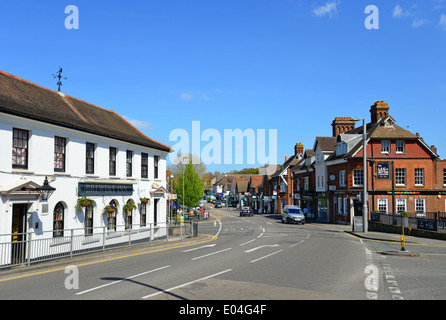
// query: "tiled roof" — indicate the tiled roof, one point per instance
point(24, 99)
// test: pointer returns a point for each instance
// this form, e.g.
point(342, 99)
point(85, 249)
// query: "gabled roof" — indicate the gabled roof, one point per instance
point(327, 144)
point(292, 161)
point(21, 98)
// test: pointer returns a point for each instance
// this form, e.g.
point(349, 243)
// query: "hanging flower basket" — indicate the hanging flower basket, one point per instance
point(83, 203)
point(111, 208)
point(129, 207)
point(144, 200)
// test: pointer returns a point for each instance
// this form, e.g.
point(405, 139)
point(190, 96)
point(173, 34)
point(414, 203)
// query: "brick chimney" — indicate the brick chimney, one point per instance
point(299, 149)
point(379, 110)
point(342, 125)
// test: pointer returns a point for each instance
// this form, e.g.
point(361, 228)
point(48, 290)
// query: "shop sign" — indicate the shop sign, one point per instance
point(382, 170)
point(104, 189)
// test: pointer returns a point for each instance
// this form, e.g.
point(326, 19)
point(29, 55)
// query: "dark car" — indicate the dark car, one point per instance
point(246, 211)
point(218, 204)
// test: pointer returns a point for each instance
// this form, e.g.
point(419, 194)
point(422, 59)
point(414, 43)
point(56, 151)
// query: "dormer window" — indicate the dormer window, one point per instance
point(341, 148)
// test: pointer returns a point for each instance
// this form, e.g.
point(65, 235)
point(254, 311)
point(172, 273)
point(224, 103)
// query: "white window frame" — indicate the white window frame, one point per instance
point(339, 205)
point(421, 201)
point(358, 174)
point(418, 176)
point(385, 146)
point(399, 176)
point(401, 202)
point(342, 178)
point(401, 148)
point(383, 202)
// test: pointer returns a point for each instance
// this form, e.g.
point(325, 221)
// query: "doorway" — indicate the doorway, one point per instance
point(18, 233)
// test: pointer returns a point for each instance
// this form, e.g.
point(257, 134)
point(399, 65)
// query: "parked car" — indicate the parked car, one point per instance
point(246, 211)
point(293, 214)
point(218, 204)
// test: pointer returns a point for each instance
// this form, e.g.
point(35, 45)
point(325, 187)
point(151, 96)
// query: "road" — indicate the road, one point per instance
point(243, 258)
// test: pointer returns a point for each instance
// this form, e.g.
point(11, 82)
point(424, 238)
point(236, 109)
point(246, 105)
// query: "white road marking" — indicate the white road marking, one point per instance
point(114, 282)
point(208, 246)
point(185, 284)
point(247, 242)
point(210, 254)
point(269, 255)
point(264, 246)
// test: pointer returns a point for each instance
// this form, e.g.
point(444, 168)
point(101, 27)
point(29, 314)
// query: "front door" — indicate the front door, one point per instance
point(18, 233)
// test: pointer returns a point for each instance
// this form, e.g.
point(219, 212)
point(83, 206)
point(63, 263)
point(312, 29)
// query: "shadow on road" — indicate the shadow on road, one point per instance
point(143, 284)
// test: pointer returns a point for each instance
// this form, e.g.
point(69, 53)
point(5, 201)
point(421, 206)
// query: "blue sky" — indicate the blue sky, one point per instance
point(290, 65)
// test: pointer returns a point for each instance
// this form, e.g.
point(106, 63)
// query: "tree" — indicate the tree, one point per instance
point(193, 186)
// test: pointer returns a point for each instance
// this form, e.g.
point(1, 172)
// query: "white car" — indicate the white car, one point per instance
point(293, 214)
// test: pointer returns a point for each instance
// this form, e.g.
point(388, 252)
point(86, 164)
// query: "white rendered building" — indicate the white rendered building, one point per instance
point(85, 151)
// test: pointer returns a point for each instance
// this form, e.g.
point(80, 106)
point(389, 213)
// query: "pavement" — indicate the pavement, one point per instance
point(391, 244)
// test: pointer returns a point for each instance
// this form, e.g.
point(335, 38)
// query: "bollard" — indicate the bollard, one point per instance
point(403, 249)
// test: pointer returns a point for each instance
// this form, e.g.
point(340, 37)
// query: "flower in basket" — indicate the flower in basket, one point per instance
point(129, 206)
point(144, 200)
point(110, 208)
point(84, 202)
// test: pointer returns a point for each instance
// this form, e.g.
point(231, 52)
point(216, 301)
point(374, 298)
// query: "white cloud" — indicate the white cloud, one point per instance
point(398, 12)
point(330, 8)
point(139, 124)
point(186, 96)
point(419, 22)
point(442, 22)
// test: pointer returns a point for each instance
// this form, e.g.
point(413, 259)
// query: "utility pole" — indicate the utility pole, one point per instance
point(59, 77)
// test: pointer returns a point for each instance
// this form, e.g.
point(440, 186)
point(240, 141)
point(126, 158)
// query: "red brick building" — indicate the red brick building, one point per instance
point(404, 172)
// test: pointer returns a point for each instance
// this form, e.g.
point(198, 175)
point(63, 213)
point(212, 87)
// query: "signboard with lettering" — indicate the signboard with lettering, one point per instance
point(104, 189)
point(383, 170)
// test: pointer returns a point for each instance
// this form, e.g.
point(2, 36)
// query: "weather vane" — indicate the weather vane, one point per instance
point(59, 77)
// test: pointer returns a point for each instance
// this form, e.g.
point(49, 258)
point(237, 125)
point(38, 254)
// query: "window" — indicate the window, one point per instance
point(383, 205)
point(400, 146)
point(129, 163)
point(306, 183)
point(385, 146)
point(128, 215)
point(444, 177)
point(419, 176)
point(59, 154)
point(144, 165)
point(358, 177)
point(112, 161)
point(420, 207)
point(339, 205)
point(111, 216)
point(156, 163)
point(88, 223)
point(345, 206)
point(143, 214)
point(89, 158)
point(58, 215)
point(401, 205)
point(342, 178)
point(20, 149)
point(400, 176)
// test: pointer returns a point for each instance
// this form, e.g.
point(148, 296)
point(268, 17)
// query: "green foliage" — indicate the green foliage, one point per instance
point(193, 186)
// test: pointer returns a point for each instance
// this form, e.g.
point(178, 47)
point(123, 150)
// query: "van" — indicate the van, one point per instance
point(293, 214)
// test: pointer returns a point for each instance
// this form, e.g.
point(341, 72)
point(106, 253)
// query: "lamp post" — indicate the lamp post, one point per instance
point(364, 162)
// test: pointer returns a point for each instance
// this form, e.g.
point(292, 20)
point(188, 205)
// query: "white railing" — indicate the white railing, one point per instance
point(29, 248)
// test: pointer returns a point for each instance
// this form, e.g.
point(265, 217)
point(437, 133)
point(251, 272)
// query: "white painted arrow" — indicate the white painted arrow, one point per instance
point(270, 246)
point(208, 246)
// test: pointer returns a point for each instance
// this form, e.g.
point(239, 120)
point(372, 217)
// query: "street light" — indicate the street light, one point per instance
point(364, 158)
point(46, 190)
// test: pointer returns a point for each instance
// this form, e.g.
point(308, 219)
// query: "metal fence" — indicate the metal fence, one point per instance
point(432, 221)
point(30, 248)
